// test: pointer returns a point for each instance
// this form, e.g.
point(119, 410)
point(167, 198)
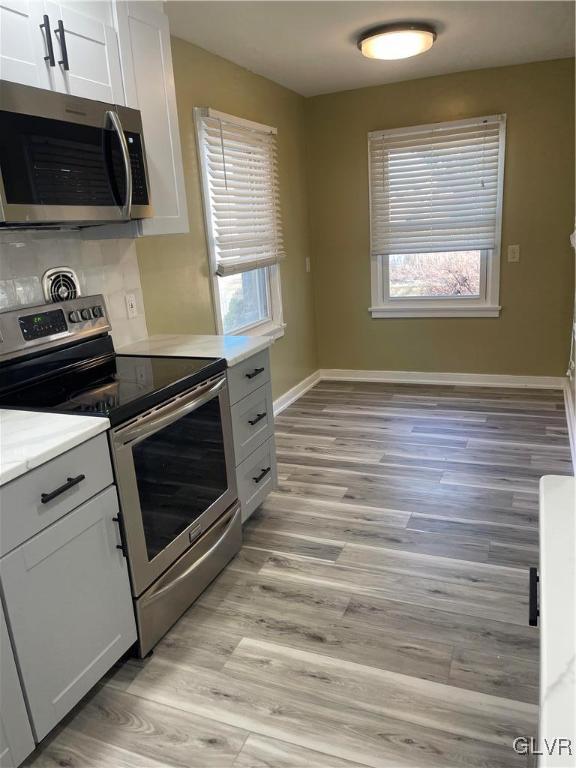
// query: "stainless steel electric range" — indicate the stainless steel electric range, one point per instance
point(170, 440)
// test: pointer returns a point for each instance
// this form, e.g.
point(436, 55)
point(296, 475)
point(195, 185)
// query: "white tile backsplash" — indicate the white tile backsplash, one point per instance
point(109, 267)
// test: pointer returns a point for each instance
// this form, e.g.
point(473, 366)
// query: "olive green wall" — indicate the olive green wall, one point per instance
point(174, 268)
point(532, 334)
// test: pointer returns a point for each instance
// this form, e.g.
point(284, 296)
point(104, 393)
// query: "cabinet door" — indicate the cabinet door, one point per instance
point(69, 608)
point(146, 56)
point(16, 741)
point(23, 44)
point(90, 47)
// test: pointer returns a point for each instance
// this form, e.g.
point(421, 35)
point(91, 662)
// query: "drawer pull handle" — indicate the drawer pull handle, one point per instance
point(533, 611)
point(262, 475)
point(257, 418)
point(255, 372)
point(70, 483)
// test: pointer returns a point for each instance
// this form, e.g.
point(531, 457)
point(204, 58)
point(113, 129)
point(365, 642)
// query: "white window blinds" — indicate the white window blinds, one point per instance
point(438, 187)
point(240, 184)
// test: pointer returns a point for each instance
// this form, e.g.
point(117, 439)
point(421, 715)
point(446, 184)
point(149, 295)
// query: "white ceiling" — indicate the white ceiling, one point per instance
point(310, 47)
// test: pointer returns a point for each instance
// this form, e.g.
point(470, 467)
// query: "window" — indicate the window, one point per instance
point(243, 224)
point(435, 218)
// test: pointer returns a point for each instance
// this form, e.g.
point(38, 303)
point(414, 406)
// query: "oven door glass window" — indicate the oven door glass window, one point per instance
point(180, 473)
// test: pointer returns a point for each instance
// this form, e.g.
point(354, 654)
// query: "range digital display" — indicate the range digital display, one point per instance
point(42, 324)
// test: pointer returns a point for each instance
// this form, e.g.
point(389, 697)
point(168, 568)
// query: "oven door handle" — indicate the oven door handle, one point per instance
point(119, 131)
point(160, 419)
point(227, 524)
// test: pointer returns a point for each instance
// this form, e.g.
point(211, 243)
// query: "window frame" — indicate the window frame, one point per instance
point(273, 325)
point(486, 305)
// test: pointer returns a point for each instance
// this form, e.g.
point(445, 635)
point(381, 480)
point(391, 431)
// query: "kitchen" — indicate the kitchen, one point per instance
point(264, 501)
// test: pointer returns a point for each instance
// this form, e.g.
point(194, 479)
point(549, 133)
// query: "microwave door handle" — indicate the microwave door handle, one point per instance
point(117, 126)
point(157, 421)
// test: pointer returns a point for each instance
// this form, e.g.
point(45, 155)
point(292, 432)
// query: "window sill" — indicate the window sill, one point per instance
point(273, 330)
point(442, 310)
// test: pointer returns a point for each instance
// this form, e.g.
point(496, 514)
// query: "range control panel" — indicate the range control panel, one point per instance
point(51, 325)
point(42, 324)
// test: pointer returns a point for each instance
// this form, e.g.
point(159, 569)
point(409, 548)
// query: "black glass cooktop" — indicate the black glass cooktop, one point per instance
point(119, 387)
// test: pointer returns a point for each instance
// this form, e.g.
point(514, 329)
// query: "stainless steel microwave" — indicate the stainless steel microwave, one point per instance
point(67, 161)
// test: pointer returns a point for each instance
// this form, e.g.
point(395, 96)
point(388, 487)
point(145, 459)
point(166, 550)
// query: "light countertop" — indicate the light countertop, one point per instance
point(29, 439)
point(557, 616)
point(233, 349)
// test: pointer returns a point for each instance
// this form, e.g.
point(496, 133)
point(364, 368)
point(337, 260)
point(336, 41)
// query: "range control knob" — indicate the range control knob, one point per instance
point(74, 316)
point(97, 311)
point(86, 314)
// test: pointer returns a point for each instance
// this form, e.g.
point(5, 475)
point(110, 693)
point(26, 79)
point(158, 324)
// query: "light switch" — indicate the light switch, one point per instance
point(513, 253)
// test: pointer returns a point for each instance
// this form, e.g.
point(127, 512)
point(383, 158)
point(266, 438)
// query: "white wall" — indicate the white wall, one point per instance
point(109, 267)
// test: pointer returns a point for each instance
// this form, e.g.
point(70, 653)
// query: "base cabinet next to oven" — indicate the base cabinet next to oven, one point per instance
point(253, 430)
point(16, 740)
point(69, 607)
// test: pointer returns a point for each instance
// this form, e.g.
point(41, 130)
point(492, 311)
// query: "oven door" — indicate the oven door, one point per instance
point(175, 473)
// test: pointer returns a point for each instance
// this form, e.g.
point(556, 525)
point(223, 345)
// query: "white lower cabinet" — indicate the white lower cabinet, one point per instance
point(256, 477)
point(253, 430)
point(69, 607)
point(16, 740)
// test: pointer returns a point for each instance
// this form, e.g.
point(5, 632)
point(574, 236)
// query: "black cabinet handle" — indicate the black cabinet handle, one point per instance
point(255, 372)
point(62, 36)
point(46, 27)
point(122, 545)
point(262, 475)
point(70, 483)
point(533, 612)
point(257, 418)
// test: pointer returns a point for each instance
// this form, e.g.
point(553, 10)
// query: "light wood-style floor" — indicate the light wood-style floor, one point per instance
point(377, 614)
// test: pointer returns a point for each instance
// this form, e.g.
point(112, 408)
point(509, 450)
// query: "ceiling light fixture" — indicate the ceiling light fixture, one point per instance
point(397, 41)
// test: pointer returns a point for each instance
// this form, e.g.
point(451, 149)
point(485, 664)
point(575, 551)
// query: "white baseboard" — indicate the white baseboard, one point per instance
point(570, 407)
point(295, 392)
point(464, 379)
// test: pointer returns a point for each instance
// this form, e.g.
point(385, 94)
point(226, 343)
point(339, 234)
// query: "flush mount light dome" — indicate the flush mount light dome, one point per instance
point(397, 41)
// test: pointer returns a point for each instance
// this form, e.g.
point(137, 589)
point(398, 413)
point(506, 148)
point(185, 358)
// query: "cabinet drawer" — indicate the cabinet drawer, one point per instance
point(252, 422)
point(256, 477)
point(69, 608)
point(248, 375)
point(23, 512)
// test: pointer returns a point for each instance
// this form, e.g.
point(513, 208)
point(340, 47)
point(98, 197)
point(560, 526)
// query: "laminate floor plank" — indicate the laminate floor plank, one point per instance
point(500, 638)
point(409, 699)
point(142, 726)
point(309, 720)
point(264, 752)
point(473, 600)
point(377, 612)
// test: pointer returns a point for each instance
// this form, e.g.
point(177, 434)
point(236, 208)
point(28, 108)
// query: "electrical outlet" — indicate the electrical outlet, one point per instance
point(513, 253)
point(131, 308)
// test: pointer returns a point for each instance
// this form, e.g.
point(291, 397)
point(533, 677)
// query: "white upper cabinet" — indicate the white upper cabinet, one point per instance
point(116, 52)
point(23, 44)
point(86, 51)
point(146, 57)
point(69, 47)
